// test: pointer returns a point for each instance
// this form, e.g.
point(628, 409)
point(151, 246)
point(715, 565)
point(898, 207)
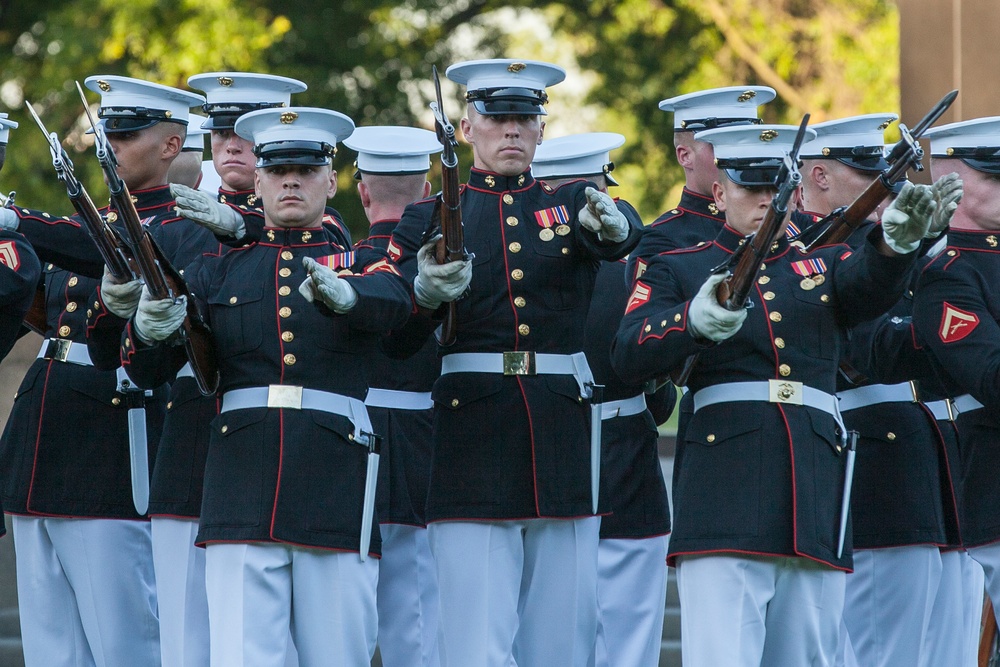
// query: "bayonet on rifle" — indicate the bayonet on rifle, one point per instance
point(448, 208)
point(905, 154)
point(161, 279)
point(103, 236)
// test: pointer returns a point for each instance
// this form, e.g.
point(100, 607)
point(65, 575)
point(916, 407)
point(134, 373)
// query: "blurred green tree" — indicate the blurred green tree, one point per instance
point(371, 59)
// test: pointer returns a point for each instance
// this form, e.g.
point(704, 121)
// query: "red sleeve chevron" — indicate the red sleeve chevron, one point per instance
point(640, 295)
point(9, 256)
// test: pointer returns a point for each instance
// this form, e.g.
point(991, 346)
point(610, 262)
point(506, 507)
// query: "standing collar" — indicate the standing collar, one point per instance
point(294, 236)
point(238, 198)
point(700, 204)
point(729, 240)
point(490, 182)
point(974, 239)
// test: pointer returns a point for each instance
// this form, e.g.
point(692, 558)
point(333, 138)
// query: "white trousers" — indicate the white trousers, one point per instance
point(631, 597)
point(887, 608)
point(517, 592)
point(945, 642)
point(86, 592)
point(756, 610)
point(256, 592)
point(180, 586)
point(407, 598)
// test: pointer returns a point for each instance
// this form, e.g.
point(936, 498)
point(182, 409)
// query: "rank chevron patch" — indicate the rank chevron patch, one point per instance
point(640, 295)
point(640, 268)
point(9, 256)
point(394, 251)
point(956, 323)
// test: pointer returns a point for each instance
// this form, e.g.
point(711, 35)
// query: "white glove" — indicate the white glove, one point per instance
point(120, 298)
point(908, 218)
point(157, 320)
point(204, 209)
point(602, 217)
point(9, 219)
point(707, 319)
point(947, 194)
point(324, 284)
point(439, 283)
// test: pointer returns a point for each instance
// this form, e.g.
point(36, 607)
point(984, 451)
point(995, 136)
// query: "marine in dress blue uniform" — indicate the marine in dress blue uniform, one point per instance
point(758, 483)
point(178, 475)
point(283, 514)
point(392, 166)
point(902, 511)
point(22, 271)
point(509, 510)
point(696, 218)
point(631, 556)
point(954, 318)
point(66, 449)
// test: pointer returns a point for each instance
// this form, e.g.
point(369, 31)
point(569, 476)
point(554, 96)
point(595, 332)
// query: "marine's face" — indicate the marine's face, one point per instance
point(744, 206)
point(504, 145)
point(138, 154)
point(234, 160)
point(294, 195)
point(980, 205)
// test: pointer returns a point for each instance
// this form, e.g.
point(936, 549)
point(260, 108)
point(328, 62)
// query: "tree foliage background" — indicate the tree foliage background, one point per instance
point(371, 59)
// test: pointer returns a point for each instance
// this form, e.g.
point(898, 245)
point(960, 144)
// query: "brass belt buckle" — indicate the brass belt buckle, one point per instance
point(784, 391)
point(952, 412)
point(284, 396)
point(58, 349)
point(915, 391)
point(519, 363)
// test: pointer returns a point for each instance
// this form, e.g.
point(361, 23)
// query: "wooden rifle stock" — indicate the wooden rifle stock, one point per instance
point(839, 225)
point(988, 636)
point(160, 277)
point(448, 209)
point(744, 266)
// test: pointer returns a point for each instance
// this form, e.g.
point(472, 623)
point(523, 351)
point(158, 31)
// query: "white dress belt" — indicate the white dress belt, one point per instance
point(522, 363)
point(625, 407)
point(186, 371)
point(292, 397)
point(395, 399)
point(966, 403)
point(942, 410)
point(58, 349)
point(873, 394)
point(786, 392)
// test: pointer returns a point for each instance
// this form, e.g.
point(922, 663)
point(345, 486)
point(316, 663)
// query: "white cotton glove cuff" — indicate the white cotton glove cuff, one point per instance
point(439, 283)
point(120, 299)
point(325, 285)
point(906, 221)
point(9, 220)
point(609, 223)
point(707, 319)
point(157, 320)
point(204, 209)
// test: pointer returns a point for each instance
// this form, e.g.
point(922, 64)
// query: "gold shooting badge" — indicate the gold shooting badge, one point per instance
point(546, 234)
